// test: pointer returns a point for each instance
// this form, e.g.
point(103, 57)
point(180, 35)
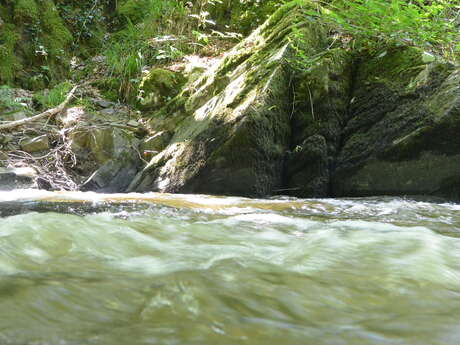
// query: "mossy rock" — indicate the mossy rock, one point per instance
point(401, 136)
point(159, 86)
point(232, 125)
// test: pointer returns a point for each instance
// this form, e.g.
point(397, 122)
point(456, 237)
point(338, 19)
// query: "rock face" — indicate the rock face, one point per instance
point(402, 134)
point(308, 118)
point(232, 126)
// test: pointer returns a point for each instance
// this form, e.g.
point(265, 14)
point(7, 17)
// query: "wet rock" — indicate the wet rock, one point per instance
point(113, 176)
point(110, 152)
point(17, 178)
point(36, 144)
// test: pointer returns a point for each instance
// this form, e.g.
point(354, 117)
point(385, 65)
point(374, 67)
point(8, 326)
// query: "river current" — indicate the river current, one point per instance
point(132, 269)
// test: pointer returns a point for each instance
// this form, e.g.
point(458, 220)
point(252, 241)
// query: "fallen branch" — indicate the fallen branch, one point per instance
point(47, 113)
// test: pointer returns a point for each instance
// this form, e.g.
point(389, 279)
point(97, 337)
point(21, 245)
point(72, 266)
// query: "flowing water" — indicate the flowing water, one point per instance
point(84, 269)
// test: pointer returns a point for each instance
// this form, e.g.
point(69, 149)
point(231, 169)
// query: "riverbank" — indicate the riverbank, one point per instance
point(295, 108)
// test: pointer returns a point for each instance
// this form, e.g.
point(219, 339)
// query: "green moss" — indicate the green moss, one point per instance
point(56, 35)
point(26, 11)
point(134, 10)
point(158, 87)
point(394, 67)
point(109, 88)
point(8, 62)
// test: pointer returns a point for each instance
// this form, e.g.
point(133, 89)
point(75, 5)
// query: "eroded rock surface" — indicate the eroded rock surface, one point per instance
point(232, 126)
point(326, 122)
point(402, 135)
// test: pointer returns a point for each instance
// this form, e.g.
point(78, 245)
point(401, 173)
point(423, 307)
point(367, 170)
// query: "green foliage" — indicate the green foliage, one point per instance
point(249, 14)
point(135, 11)
point(87, 21)
point(26, 11)
point(431, 25)
point(55, 96)
point(8, 63)
point(140, 42)
point(55, 34)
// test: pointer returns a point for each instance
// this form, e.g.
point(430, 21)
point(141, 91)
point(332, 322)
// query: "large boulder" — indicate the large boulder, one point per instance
point(232, 126)
point(106, 147)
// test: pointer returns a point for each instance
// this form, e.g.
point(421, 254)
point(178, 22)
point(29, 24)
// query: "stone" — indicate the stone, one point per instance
point(101, 144)
point(5, 139)
point(103, 103)
point(159, 86)
point(17, 178)
point(111, 153)
point(36, 144)
point(133, 123)
point(20, 115)
point(3, 158)
point(113, 176)
point(108, 111)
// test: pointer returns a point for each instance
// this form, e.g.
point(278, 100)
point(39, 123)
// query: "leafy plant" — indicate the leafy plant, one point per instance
point(53, 97)
point(432, 25)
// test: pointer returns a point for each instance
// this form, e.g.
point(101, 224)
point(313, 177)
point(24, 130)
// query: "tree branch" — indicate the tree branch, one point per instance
point(47, 113)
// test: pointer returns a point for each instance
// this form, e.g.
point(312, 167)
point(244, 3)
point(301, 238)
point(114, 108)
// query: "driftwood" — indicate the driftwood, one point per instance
point(47, 113)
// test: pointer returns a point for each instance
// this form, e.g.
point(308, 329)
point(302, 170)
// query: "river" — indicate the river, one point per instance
point(132, 269)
